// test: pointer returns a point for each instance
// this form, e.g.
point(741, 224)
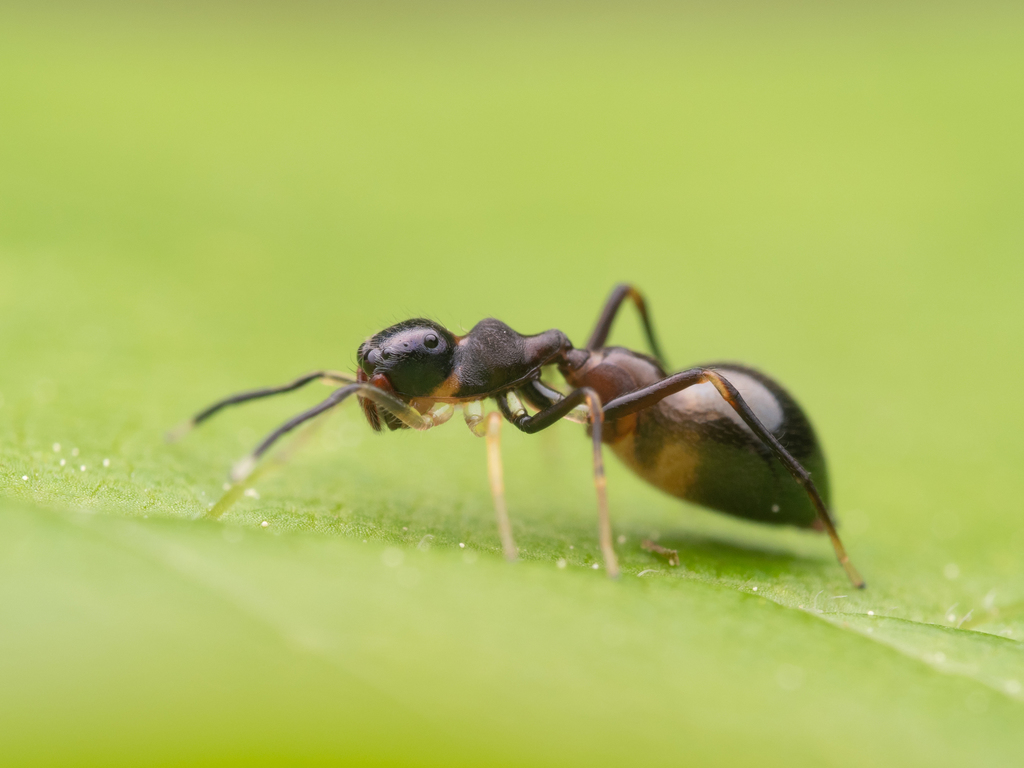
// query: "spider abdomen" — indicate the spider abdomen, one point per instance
point(693, 445)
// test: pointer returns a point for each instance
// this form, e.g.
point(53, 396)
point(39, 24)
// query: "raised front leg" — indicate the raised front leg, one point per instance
point(334, 377)
point(407, 414)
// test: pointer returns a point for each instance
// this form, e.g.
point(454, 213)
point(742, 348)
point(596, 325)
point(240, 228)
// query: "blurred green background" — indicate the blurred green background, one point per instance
point(199, 199)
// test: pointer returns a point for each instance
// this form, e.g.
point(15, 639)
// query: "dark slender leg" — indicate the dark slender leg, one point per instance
point(648, 396)
point(549, 416)
point(639, 399)
point(539, 395)
point(395, 406)
point(255, 394)
point(611, 308)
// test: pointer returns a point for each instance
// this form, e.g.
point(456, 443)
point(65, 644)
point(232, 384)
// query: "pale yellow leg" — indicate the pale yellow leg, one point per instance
point(604, 521)
point(498, 484)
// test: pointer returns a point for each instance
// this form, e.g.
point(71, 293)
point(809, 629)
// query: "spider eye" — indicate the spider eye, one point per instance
point(430, 341)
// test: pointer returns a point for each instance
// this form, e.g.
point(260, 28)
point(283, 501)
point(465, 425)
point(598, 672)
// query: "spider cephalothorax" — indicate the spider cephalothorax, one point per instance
point(409, 360)
point(414, 355)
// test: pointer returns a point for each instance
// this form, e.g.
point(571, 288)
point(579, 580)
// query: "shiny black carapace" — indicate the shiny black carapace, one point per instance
point(720, 435)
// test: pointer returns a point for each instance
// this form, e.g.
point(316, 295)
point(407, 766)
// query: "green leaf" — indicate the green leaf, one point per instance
point(193, 203)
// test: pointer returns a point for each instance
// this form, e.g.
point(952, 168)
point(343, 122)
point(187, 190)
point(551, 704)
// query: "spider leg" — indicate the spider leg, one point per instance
point(494, 472)
point(611, 308)
point(408, 415)
point(544, 419)
point(648, 396)
point(255, 394)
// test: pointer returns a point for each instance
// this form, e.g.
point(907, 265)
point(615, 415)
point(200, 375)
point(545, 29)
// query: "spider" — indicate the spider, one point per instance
point(721, 435)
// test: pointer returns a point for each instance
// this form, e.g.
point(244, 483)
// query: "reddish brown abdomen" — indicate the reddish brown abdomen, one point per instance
point(694, 446)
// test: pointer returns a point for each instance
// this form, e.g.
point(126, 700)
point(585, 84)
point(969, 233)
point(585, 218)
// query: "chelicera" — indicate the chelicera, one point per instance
point(721, 435)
